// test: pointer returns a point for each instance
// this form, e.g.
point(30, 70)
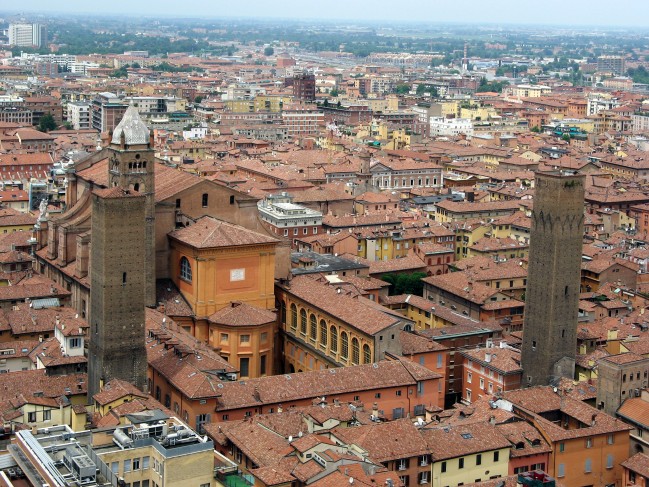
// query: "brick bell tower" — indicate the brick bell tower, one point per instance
point(131, 166)
point(553, 281)
point(122, 273)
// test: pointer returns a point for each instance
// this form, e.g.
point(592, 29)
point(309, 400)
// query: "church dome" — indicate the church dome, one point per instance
point(134, 130)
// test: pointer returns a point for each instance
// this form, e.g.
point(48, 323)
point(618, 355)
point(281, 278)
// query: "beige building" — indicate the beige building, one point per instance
point(527, 91)
point(161, 452)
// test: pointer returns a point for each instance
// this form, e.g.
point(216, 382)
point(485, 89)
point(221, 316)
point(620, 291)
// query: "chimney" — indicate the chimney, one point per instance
point(375, 410)
point(429, 415)
point(487, 357)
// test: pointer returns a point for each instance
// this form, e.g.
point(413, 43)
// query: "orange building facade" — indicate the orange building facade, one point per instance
point(325, 326)
point(226, 274)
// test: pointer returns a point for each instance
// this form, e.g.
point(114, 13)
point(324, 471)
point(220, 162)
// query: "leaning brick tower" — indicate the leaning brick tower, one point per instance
point(554, 275)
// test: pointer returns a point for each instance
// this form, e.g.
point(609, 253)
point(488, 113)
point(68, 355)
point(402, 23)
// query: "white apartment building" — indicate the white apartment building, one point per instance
point(284, 218)
point(640, 122)
point(381, 86)
point(27, 35)
point(158, 104)
point(242, 92)
point(10, 100)
point(449, 127)
point(598, 102)
point(81, 67)
point(79, 115)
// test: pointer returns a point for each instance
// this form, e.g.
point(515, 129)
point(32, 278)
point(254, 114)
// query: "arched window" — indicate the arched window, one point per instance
point(293, 317)
point(323, 333)
point(333, 346)
point(367, 354)
point(313, 328)
point(185, 269)
point(303, 322)
point(344, 345)
point(356, 351)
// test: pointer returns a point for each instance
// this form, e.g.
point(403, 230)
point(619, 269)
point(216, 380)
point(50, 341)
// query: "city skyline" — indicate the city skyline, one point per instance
point(578, 13)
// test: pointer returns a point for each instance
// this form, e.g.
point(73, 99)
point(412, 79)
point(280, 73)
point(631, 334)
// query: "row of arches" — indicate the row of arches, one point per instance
point(328, 337)
point(139, 166)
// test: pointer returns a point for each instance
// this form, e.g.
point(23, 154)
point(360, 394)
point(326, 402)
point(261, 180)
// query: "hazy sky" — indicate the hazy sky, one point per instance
point(573, 12)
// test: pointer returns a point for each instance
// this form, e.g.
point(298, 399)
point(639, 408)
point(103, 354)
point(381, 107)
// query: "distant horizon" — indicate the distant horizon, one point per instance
point(581, 14)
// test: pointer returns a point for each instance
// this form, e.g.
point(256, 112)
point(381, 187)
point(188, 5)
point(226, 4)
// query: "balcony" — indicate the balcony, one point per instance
point(234, 479)
point(228, 474)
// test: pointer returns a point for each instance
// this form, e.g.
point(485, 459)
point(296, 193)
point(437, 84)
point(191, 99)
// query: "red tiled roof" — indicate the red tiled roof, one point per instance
point(208, 232)
point(242, 314)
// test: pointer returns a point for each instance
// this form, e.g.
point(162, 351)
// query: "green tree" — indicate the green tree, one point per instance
point(402, 89)
point(269, 51)
point(639, 75)
point(47, 123)
point(119, 73)
point(566, 137)
point(535, 129)
point(68, 126)
point(403, 283)
point(334, 92)
point(425, 88)
point(495, 86)
point(198, 99)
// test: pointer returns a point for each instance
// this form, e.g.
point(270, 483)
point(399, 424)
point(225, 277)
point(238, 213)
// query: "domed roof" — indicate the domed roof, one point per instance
point(134, 130)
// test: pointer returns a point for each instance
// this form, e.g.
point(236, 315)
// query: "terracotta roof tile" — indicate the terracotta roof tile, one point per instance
point(117, 389)
point(356, 312)
point(540, 400)
point(454, 441)
point(242, 314)
point(291, 387)
point(386, 441)
point(638, 463)
point(208, 232)
point(635, 409)
point(505, 360)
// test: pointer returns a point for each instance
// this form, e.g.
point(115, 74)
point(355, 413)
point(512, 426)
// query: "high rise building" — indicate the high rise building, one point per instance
point(611, 64)
point(79, 115)
point(122, 276)
point(106, 110)
point(27, 35)
point(304, 87)
point(552, 295)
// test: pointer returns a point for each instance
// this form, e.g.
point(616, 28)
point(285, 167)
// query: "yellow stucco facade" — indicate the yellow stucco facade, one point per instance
point(471, 468)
